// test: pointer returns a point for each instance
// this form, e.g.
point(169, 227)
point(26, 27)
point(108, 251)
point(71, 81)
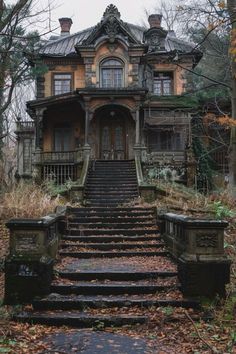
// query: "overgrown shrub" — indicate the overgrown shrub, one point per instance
point(27, 200)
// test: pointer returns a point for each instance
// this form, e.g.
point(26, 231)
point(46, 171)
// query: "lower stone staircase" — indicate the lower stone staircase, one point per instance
point(113, 270)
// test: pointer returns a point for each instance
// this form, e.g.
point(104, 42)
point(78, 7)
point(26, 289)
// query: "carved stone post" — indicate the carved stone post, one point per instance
point(137, 127)
point(38, 144)
point(38, 124)
point(86, 132)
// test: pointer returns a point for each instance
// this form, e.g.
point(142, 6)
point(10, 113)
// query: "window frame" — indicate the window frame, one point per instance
point(162, 81)
point(54, 80)
point(173, 138)
point(103, 67)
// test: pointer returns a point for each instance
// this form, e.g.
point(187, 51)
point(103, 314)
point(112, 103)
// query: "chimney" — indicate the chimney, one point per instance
point(155, 20)
point(65, 23)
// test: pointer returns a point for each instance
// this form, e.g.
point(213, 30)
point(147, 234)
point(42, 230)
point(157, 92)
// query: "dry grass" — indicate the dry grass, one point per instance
point(27, 200)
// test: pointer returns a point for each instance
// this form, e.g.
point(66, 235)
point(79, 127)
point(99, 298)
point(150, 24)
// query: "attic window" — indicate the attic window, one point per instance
point(62, 83)
point(112, 73)
point(163, 83)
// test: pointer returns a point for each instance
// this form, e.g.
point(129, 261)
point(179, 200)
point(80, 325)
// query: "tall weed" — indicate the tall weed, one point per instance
point(27, 200)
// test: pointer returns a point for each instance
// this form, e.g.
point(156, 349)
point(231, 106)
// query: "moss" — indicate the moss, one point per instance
point(176, 101)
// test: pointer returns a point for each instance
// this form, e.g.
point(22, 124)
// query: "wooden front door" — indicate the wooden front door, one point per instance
point(112, 139)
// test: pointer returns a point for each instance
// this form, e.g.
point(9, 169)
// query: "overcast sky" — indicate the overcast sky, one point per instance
point(86, 13)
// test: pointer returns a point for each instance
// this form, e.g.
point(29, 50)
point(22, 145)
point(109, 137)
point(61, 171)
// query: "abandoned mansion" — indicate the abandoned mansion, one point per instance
point(115, 91)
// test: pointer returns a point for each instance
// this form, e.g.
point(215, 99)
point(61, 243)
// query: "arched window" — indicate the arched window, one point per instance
point(112, 73)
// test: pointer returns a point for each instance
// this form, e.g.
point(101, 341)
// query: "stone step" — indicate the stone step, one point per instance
point(83, 288)
point(112, 180)
point(118, 225)
point(121, 232)
point(106, 204)
point(112, 196)
point(105, 188)
point(115, 275)
point(120, 210)
point(112, 212)
point(106, 219)
point(78, 320)
point(110, 254)
point(114, 239)
point(111, 246)
point(57, 302)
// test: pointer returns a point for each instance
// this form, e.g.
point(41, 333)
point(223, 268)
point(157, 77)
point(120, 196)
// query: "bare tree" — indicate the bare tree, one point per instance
point(17, 42)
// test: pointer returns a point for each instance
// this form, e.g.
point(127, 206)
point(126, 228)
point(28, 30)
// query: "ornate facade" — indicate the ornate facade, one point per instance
point(112, 91)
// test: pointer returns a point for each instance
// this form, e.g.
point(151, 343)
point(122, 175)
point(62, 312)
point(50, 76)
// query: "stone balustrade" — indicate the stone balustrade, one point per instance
point(198, 247)
point(33, 249)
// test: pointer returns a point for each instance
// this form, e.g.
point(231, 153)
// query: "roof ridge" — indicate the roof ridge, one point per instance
point(61, 38)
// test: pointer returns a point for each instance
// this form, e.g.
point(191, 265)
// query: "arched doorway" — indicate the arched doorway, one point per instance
point(114, 126)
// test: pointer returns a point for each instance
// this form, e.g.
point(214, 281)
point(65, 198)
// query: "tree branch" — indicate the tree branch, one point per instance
point(205, 77)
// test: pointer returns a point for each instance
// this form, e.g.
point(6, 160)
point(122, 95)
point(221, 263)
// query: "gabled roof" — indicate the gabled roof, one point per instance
point(66, 45)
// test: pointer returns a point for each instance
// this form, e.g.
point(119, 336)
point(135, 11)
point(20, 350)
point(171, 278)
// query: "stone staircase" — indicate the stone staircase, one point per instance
point(111, 183)
point(113, 265)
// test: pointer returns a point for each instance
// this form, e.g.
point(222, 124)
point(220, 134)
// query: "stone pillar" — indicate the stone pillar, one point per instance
point(137, 127)
point(38, 148)
point(86, 133)
point(38, 124)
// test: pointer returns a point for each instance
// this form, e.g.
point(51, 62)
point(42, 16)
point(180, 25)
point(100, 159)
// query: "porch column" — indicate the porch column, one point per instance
point(137, 127)
point(38, 125)
point(86, 133)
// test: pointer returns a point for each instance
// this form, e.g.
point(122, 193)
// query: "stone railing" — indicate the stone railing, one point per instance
point(23, 126)
point(33, 249)
point(198, 246)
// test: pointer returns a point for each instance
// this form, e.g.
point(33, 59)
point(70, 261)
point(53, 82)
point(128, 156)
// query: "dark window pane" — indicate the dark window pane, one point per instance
point(162, 83)
point(62, 83)
point(112, 74)
point(62, 139)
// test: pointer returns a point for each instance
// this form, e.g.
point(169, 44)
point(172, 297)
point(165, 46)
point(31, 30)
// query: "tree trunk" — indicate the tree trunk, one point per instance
point(231, 6)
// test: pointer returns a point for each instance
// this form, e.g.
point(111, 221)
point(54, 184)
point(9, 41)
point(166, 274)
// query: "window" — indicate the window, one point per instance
point(62, 138)
point(112, 75)
point(165, 140)
point(163, 83)
point(62, 83)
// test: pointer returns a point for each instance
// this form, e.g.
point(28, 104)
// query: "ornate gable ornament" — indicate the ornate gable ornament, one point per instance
point(111, 26)
point(111, 10)
point(155, 38)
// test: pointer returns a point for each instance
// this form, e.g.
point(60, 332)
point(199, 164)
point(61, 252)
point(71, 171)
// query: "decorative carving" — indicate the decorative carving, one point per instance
point(112, 47)
point(207, 240)
point(111, 28)
point(26, 242)
point(111, 10)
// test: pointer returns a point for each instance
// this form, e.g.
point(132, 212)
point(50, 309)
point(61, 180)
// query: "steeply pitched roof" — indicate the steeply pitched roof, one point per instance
point(65, 45)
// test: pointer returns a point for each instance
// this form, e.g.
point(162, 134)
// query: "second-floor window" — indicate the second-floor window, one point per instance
point(62, 83)
point(112, 73)
point(163, 83)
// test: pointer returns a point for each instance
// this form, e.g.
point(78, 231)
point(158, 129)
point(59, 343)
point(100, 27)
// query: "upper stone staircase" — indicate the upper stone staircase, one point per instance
point(111, 183)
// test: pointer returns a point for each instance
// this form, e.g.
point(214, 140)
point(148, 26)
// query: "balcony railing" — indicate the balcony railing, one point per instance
point(25, 126)
point(60, 156)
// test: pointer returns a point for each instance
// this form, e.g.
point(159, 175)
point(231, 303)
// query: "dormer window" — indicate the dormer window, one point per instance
point(62, 83)
point(112, 73)
point(163, 83)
